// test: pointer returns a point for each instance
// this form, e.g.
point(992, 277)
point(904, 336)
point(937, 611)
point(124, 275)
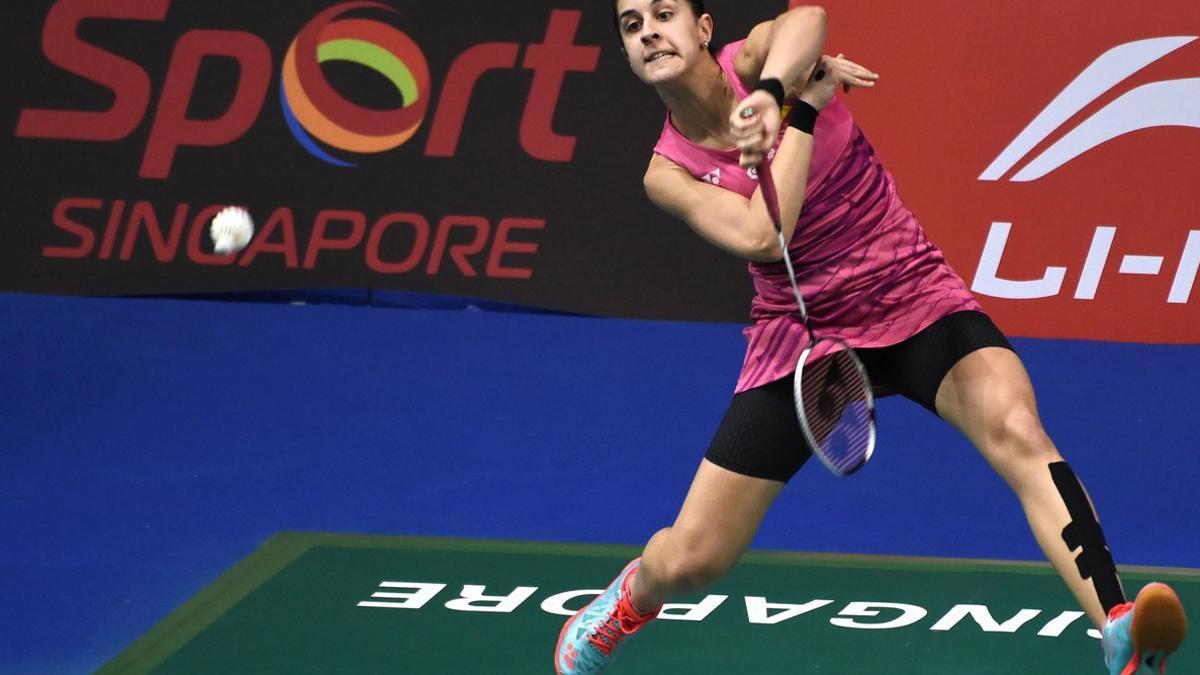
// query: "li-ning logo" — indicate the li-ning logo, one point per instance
point(313, 107)
point(1167, 103)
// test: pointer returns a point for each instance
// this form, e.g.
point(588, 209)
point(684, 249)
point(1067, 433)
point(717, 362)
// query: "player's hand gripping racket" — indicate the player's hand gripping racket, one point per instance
point(834, 402)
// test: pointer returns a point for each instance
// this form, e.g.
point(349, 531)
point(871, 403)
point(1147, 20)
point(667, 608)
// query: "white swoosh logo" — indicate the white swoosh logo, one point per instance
point(1120, 117)
point(1160, 104)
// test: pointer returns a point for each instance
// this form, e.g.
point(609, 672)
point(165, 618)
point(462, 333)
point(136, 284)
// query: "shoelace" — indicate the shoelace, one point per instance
point(610, 633)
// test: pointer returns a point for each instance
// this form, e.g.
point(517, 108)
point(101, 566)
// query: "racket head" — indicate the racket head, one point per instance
point(835, 405)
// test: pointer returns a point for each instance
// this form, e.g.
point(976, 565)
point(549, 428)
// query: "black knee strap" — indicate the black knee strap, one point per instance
point(1095, 561)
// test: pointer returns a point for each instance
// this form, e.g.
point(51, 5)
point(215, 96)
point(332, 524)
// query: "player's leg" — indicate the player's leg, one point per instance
point(756, 449)
point(718, 519)
point(987, 394)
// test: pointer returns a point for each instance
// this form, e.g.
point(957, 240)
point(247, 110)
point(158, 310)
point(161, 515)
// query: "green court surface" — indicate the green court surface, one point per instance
point(316, 603)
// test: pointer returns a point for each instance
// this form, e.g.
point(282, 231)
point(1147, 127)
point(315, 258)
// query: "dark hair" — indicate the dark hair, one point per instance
point(697, 7)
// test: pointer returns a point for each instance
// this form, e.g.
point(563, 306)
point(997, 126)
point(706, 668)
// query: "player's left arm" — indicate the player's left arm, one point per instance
point(786, 48)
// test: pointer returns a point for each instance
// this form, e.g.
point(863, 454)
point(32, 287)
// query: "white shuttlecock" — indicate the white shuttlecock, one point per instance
point(231, 230)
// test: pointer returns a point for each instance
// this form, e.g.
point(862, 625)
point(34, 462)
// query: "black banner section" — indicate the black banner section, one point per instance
point(485, 149)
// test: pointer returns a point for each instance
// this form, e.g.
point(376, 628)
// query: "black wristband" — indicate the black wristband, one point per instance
point(773, 87)
point(804, 117)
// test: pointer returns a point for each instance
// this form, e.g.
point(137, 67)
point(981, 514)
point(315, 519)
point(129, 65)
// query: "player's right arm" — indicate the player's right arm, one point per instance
point(743, 226)
point(726, 219)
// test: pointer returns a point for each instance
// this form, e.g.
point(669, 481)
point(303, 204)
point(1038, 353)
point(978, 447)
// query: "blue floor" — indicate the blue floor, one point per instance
point(148, 445)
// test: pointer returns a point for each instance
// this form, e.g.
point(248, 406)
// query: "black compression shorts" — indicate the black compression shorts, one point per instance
point(760, 435)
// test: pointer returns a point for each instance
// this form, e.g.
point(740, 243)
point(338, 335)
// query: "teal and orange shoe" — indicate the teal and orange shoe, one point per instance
point(589, 640)
point(1140, 635)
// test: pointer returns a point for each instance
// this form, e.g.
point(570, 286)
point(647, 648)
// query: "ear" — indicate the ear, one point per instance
point(706, 28)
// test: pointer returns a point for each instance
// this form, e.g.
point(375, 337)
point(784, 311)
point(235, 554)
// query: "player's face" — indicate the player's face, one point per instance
point(662, 38)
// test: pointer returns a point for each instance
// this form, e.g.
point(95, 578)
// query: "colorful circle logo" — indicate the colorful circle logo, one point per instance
point(313, 108)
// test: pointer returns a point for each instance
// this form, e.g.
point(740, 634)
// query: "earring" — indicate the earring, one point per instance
point(704, 44)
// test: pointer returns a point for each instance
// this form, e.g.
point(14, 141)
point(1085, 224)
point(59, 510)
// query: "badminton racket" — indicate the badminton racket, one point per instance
point(834, 401)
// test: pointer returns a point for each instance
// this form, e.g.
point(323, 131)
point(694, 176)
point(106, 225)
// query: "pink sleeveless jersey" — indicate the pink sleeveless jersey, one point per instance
point(866, 270)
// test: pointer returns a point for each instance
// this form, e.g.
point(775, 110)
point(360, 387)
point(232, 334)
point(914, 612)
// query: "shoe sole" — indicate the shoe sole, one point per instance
point(1159, 623)
point(563, 632)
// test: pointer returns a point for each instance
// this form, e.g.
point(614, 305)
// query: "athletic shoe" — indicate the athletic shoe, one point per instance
point(589, 640)
point(1140, 635)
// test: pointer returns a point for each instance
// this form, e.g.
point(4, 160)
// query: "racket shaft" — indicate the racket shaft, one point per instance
point(771, 197)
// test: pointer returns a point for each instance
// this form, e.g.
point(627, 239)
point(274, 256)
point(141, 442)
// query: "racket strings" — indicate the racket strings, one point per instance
point(836, 403)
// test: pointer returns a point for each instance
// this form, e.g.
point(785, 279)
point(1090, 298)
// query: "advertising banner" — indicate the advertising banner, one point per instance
point(496, 150)
point(1052, 150)
point(481, 149)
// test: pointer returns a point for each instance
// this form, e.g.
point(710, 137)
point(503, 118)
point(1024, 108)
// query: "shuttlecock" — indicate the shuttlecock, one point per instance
point(231, 230)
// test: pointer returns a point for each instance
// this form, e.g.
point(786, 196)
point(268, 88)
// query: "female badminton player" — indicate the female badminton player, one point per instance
point(871, 277)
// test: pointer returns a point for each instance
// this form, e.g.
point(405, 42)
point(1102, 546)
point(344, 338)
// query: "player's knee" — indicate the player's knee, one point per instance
point(1019, 443)
point(692, 573)
point(696, 565)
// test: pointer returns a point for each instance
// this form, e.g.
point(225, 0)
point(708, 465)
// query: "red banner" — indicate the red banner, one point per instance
point(1051, 150)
